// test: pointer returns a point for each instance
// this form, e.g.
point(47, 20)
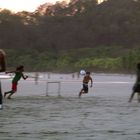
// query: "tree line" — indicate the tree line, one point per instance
point(67, 37)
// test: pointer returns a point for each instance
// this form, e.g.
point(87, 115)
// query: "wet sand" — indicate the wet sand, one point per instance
point(103, 114)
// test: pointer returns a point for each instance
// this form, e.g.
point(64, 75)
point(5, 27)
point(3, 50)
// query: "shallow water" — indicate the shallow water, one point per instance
point(103, 114)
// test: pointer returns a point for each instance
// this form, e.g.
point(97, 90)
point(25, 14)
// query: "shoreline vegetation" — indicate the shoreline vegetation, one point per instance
point(68, 37)
point(96, 60)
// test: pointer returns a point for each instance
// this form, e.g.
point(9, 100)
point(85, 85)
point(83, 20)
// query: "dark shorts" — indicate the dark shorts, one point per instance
point(136, 88)
point(85, 87)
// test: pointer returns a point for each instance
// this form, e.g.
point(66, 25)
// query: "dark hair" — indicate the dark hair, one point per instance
point(19, 67)
point(138, 66)
point(87, 72)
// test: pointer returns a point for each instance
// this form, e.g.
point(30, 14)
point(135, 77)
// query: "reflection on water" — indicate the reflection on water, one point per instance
point(103, 114)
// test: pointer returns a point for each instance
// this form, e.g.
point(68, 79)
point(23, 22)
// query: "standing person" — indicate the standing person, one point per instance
point(2, 69)
point(18, 75)
point(2, 61)
point(86, 80)
point(136, 88)
point(36, 78)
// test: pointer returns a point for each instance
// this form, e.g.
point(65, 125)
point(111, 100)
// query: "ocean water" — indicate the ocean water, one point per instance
point(102, 114)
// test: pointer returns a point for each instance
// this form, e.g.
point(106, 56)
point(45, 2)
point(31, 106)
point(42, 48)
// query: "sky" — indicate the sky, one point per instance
point(23, 5)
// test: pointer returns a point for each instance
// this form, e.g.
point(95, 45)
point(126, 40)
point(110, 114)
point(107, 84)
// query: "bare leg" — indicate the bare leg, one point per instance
point(5, 93)
point(80, 93)
point(131, 97)
point(1, 97)
point(9, 97)
point(10, 94)
point(138, 97)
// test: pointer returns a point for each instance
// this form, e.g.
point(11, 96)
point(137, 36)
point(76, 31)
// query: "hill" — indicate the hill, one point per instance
point(68, 37)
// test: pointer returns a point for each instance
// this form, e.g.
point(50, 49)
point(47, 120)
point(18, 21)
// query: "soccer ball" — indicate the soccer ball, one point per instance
point(82, 72)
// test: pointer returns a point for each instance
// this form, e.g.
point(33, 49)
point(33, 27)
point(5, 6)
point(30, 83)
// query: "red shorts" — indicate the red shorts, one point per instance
point(14, 87)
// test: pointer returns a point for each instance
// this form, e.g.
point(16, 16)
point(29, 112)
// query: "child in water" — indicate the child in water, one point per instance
point(86, 80)
point(17, 77)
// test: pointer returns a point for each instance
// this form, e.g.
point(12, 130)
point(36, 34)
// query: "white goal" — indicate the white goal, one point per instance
point(50, 87)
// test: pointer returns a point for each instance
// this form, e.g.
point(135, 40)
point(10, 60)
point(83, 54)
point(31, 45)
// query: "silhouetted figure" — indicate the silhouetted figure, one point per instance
point(136, 88)
point(2, 69)
point(36, 78)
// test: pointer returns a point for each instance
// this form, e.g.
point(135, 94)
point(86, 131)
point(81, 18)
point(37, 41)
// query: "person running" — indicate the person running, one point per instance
point(2, 69)
point(86, 80)
point(2, 61)
point(18, 75)
point(136, 87)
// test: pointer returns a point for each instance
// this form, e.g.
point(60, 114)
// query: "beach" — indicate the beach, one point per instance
point(102, 114)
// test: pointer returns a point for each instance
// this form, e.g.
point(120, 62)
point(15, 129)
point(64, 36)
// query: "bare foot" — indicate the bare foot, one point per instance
point(4, 95)
point(8, 97)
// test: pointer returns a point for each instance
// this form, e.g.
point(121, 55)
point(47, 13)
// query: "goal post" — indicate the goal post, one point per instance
point(58, 83)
